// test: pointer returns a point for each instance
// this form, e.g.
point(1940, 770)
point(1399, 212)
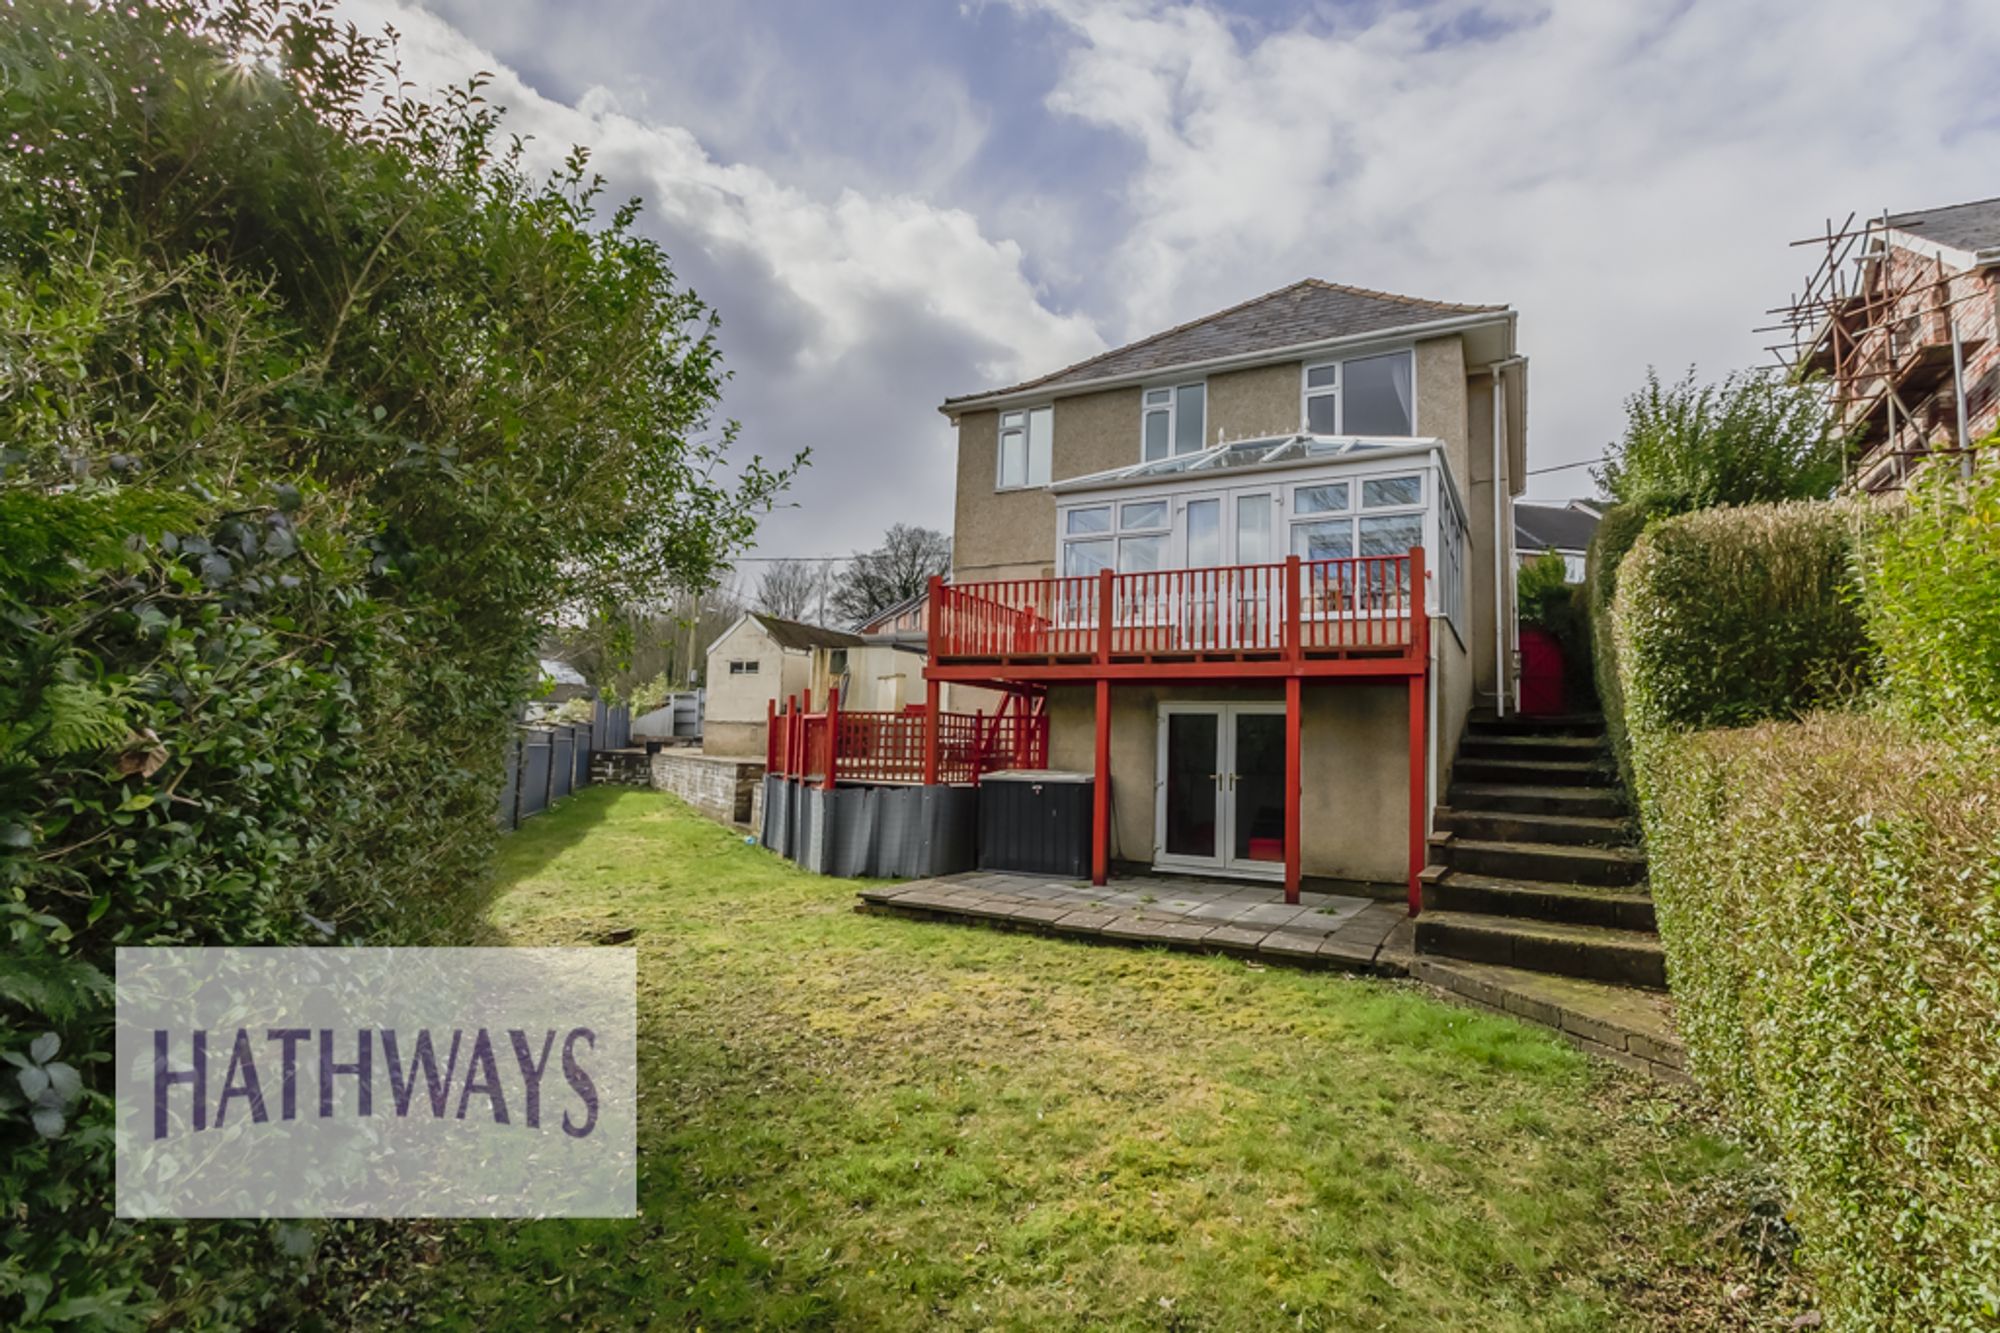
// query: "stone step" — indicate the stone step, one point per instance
point(1482, 722)
point(1536, 900)
point(1526, 799)
point(1513, 826)
point(1573, 749)
point(1555, 863)
point(1631, 1027)
point(1595, 953)
point(1537, 772)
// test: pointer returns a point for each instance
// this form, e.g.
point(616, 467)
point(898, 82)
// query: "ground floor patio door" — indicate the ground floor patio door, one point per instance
point(1220, 789)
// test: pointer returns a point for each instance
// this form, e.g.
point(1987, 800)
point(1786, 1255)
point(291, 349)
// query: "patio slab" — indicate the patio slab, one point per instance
point(1213, 916)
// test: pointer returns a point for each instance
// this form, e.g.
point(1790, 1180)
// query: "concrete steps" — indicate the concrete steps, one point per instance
point(1534, 882)
point(1460, 891)
point(1538, 826)
point(1533, 799)
point(1596, 953)
point(1630, 1027)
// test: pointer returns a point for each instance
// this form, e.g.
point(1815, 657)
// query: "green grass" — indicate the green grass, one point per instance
point(863, 1122)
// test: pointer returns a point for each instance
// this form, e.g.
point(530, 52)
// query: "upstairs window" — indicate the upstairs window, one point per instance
point(1364, 395)
point(1173, 420)
point(1027, 440)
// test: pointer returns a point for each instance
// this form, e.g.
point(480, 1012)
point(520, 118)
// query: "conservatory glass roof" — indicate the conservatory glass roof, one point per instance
point(1239, 455)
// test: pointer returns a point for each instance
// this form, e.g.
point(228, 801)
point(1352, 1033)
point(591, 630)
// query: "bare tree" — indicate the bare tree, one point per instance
point(899, 568)
point(788, 588)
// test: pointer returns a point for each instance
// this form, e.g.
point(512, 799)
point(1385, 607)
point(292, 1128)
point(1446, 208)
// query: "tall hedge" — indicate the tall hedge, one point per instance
point(1828, 885)
point(314, 407)
point(1829, 897)
point(1932, 598)
point(1729, 616)
point(1617, 532)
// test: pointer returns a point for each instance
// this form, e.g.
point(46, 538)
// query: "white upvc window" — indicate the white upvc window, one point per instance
point(744, 666)
point(1367, 516)
point(1173, 419)
point(1131, 537)
point(1027, 447)
point(1362, 395)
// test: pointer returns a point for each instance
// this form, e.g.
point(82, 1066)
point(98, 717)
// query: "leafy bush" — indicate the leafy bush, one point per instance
point(1829, 897)
point(1617, 532)
point(1753, 439)
point(313, 408)
point(1549, 601)
point(1931, 584)
point(1731, 616)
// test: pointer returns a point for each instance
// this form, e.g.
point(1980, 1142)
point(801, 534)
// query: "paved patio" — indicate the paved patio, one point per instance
point(1205, 916)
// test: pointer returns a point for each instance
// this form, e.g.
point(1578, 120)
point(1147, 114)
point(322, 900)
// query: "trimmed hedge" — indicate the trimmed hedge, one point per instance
point(1617, 532)
point(1730, 616)
point(1932, 582)
point(1829, 896)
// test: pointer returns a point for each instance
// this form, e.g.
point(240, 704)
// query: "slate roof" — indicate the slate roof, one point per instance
point(1305, 312)
point(1974, 226)
point(801, 637)
point(1547, 527)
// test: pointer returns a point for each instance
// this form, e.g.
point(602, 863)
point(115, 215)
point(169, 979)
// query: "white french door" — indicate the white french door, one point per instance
point(1219, 791)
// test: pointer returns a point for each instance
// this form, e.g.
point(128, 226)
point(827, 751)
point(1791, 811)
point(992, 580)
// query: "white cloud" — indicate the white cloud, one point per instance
point(847, 317)
point(1627, 175)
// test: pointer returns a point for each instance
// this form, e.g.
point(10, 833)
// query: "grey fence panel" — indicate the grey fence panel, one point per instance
point(579, 739)
point(562, 763)
point(510, 782)
point(534, 774)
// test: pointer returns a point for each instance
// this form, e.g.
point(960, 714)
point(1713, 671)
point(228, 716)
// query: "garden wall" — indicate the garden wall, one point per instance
point(719, 788)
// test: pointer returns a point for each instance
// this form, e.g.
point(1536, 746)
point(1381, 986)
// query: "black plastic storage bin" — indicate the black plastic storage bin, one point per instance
point(1036, 821)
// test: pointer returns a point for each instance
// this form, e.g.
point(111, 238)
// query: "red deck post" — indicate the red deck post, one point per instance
point(1103, 617)
point(1100, 797)
point(771, 736)
point(930, 733)
point(1294, 631)
point(1293, 698)
point(1419, 750)
point(832, 735)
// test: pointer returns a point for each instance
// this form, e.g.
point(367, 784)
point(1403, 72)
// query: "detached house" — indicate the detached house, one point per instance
point(1255, 571)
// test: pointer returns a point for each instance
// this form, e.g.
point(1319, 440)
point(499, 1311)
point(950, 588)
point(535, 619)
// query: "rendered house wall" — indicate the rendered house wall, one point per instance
point(1354, 799)
point(733, 723)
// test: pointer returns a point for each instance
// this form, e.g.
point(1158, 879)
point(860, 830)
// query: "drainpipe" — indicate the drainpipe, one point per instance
point(1958, 398)
point(1503, 555)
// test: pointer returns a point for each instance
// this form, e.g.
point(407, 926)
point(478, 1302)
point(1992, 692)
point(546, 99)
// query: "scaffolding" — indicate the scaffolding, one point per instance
point(1877, 328)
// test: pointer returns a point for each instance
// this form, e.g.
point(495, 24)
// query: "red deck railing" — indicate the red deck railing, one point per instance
point(835, 745)
point(1322, 607)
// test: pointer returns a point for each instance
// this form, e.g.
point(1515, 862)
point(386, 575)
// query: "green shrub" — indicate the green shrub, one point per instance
point(1931, 591)
point(1731, 616)
point(1617, 532)
point(1753, 439)
point(313, 408)
point(1548, 600)
point(1829, 897)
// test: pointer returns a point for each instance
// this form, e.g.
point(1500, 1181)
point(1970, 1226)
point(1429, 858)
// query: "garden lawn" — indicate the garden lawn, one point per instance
point(856, 1121)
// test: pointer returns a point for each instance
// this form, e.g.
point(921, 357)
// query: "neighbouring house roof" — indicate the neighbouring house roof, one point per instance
point(561, 672)
point(887, 613)
point(1306, 312)
point(1973, 226)
point(798, 636)
point(1554, 527)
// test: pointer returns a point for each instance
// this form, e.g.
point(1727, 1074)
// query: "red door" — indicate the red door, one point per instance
point(1541, 673)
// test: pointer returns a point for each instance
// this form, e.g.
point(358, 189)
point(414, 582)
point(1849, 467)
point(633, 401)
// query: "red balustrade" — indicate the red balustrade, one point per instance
point(889, 747)
point(1364, 604)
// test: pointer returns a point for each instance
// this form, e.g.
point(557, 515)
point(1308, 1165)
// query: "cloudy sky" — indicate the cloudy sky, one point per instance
point(891, 201)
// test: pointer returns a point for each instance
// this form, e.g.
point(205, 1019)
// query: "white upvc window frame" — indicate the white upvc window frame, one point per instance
point(1337, 391)
point(1171, 410)
point(1037, 455)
